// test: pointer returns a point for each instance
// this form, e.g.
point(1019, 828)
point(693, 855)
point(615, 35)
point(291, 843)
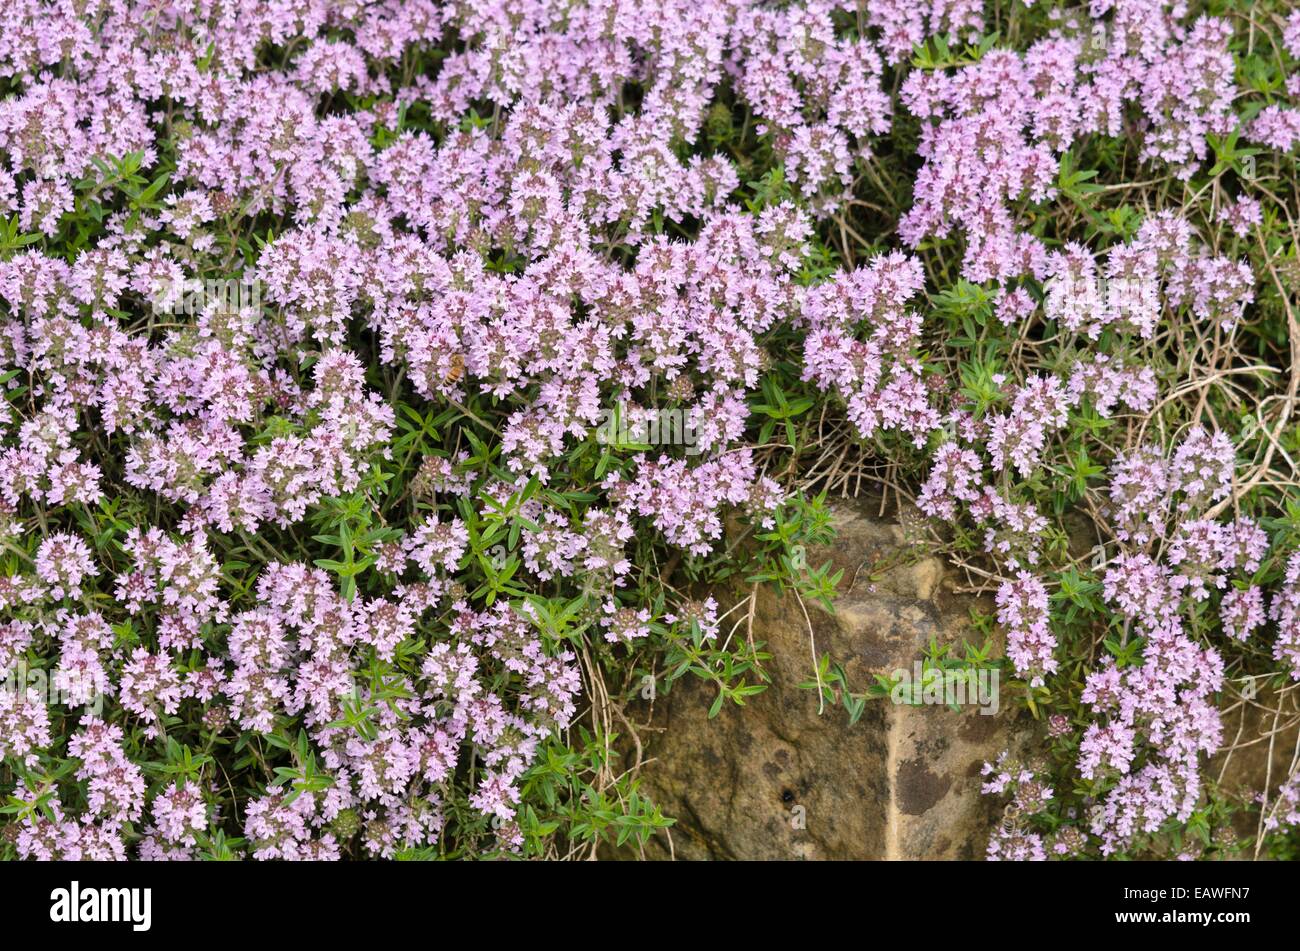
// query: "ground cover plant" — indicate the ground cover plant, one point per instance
point(393, 390)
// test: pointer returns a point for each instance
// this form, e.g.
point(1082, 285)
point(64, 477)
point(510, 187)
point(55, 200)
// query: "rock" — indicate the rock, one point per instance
point(776, 780)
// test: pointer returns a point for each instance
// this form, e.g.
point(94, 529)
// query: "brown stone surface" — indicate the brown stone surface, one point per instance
point(903, 782)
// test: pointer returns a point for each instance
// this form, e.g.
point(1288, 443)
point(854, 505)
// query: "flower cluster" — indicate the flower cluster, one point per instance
point(816, 93)
point(523, 268)
point(994, 131)
point(314, 314)
point(1022, 610)
point(879, 378)
point(1012, 840)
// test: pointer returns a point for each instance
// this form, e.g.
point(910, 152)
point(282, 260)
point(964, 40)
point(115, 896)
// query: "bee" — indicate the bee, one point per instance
point(457, 370)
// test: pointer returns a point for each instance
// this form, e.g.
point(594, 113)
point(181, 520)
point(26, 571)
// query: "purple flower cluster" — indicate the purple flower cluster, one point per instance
point(247, 412)
point(1022, 611)
point(245, 233)
point(1012, 840)
point(295, 654)
point(1285, 811)
point(878, 378)
point(993, 132)
point(816, 93)
point(1277, 125)
point(1154, 719)
point(1285, 610)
